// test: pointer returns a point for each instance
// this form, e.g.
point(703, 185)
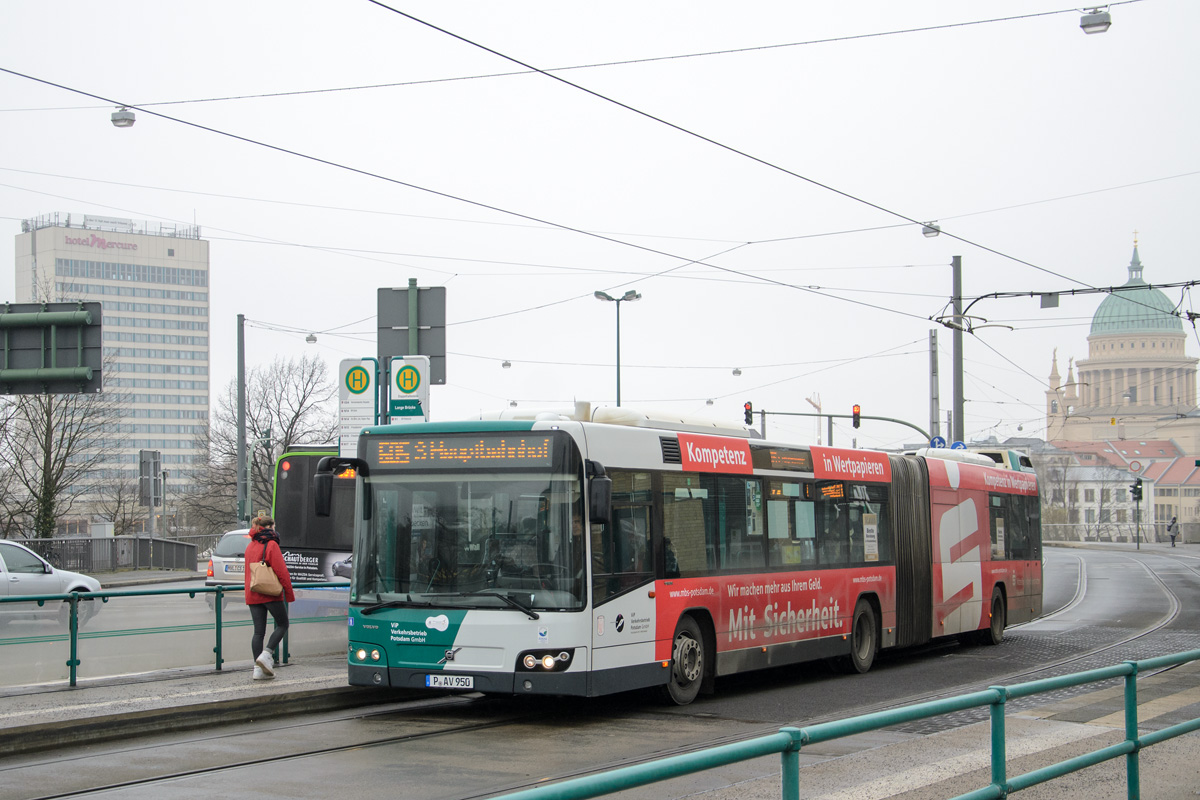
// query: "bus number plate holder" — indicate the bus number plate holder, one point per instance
point(449, 682)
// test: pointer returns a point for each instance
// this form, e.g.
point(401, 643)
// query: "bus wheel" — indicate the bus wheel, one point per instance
point(863, 639)
point(994, 633)
point(688, 663)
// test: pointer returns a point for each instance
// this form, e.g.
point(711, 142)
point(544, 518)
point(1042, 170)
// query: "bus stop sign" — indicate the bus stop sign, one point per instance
point(408, 389)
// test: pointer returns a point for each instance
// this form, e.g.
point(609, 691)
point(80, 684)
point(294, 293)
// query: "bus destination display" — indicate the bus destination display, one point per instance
point(507, 450)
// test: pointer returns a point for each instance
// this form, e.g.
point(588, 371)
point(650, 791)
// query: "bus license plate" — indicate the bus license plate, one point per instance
point(449, 682)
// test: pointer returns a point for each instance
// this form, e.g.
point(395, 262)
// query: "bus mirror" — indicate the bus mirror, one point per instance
point(322, 492)
point(600, 499)
point(323, 483)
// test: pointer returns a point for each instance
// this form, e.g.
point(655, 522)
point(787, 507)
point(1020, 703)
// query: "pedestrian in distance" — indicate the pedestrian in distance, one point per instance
point(1173, 530)
point(264, 546)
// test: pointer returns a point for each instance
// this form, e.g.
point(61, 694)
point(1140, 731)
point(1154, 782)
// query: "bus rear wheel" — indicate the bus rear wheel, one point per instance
point(689, 661)
point(994, 632)
point(864, 639)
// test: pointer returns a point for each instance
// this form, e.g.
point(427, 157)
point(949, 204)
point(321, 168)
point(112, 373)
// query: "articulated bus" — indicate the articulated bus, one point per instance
point(599, 551)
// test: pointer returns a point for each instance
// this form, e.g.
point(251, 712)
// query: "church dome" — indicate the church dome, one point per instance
point(1136, 310)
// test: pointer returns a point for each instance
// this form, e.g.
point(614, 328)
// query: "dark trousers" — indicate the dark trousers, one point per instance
point(258, 613)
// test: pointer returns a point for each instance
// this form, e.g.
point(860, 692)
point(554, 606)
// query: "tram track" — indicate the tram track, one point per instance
point(427, 708)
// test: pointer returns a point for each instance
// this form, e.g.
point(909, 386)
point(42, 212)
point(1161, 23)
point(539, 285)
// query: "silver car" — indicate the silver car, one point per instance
point(228, 563)
point(23, 572)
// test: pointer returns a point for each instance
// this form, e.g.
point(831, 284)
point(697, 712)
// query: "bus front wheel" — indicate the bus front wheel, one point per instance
point(864, 639)
point(689, 660)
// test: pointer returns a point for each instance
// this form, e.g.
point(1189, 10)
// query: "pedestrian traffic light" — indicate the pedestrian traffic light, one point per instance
point(855, 414)
point(749, 412)
point(1135, 490)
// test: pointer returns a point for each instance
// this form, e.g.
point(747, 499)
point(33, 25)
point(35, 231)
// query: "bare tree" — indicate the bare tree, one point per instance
point(56, 445)
point(119, 502)
point(13, 517)
point(292, 399)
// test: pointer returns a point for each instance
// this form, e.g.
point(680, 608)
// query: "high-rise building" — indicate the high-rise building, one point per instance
point(152, 283)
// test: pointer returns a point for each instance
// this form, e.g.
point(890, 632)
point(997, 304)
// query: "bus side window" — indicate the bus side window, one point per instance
point(681, 499)
point(832, 533)
point(621, 554)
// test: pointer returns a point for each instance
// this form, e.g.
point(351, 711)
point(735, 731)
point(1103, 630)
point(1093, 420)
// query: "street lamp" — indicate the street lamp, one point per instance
point(628, 297)
point(123, 118)
point(1096, 21)
point(930, 229)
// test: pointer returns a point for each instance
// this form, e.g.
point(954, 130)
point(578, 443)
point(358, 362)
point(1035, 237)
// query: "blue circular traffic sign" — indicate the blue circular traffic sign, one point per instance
point(937, 442)
point(958, 446)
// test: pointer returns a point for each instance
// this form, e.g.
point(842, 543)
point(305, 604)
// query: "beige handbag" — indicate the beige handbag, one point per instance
point(263, 579)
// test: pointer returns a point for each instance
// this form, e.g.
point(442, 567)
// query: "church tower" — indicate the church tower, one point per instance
point(1137, 381)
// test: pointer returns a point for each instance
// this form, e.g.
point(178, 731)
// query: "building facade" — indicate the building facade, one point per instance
point(1137, 383)
point(152, 283)
point(1126, 412)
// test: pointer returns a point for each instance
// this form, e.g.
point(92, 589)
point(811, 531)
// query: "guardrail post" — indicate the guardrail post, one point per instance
point(789, 764)
point(217, 604)
point(1133, 777)
point(73, 626)
point(999, 752)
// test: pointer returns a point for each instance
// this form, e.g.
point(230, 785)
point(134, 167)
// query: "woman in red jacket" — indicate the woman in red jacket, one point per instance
point(264, 546)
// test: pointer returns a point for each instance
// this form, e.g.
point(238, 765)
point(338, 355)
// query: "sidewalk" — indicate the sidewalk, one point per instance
point(141, 577)
point(38, 717)
point(1190, 549)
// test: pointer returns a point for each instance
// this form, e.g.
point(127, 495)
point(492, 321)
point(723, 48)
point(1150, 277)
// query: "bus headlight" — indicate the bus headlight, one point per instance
point(374, 654)
point(360, 654)
point(544, 660)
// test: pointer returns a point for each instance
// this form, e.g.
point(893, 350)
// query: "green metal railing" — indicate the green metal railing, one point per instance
point(73, 599)
point(788, 741)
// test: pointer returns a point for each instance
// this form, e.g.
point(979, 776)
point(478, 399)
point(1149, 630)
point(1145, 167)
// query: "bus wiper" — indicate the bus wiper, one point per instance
point(408, 601)
point(507, 598)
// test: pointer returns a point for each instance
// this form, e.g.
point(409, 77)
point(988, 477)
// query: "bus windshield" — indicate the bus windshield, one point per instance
point(472, 540)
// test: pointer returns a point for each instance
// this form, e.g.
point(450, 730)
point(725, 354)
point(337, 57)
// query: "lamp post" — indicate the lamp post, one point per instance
point(628, 297)
point(241, 419)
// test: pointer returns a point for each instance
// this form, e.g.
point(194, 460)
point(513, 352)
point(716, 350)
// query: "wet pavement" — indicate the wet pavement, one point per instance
point(878, 765)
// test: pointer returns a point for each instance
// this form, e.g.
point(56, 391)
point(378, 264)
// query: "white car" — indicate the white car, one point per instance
point(24, 572)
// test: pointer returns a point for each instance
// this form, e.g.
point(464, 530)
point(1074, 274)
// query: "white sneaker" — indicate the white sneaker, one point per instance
point(259, 675)
point(266, 663)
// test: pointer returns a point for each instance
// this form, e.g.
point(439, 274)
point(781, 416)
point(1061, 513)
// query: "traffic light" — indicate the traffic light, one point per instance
point(1135, 490)
point(855, 414)
point(749, 412)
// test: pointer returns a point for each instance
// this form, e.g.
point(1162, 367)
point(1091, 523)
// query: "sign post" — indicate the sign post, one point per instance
point(358, 401)
point(408, 389)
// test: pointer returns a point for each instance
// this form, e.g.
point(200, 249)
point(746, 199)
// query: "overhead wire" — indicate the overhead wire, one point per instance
point(457, 198)
point(596, 65)
point(716, 143)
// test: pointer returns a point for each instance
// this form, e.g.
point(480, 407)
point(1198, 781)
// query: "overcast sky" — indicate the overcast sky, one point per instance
point(752, 169)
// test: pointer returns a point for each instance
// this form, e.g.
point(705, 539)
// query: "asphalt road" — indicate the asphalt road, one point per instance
point(1101, 608)
point(158, 631)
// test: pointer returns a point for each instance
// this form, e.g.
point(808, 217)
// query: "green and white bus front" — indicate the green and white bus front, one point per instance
point(469, 561)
